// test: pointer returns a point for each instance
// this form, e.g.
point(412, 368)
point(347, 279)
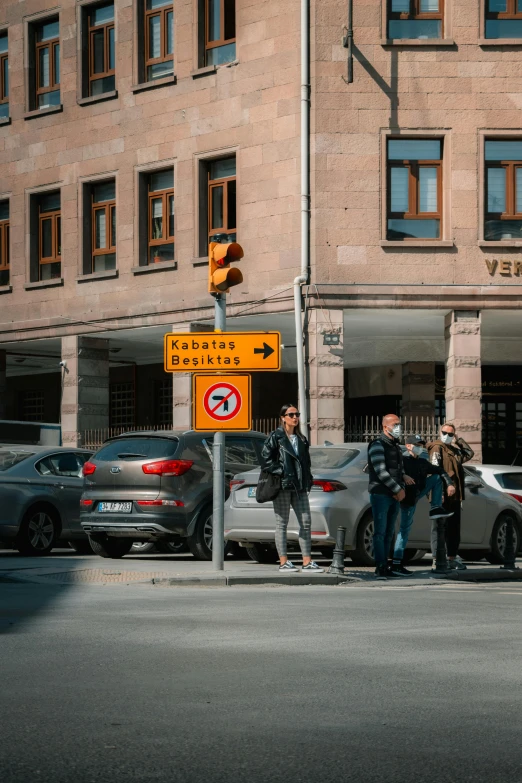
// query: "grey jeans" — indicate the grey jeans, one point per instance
point(299, 502)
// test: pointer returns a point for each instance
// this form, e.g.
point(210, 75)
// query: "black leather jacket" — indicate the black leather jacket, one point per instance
point(279, 458)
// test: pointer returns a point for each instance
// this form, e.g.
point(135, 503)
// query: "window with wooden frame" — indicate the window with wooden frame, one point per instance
point(414, 193)
point(4, 242)
point(159, 38)
point(503, 18)
point(503, 182)
point(220, 31)
point(47, 57)
point(410, 19)
point(103, 225)
point(100, 23)
point(4, 77)
point(161, 235)
point(222, 213)
point(49, 236)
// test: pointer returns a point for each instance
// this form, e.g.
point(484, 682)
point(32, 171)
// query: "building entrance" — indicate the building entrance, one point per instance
point(502, 430)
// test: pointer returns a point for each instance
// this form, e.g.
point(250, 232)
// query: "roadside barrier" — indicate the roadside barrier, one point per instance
point(337, 566)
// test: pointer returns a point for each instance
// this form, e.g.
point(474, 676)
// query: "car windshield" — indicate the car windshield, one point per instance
point(328, 457)
point(509, 480)
point(10, 458)
point(137, 448)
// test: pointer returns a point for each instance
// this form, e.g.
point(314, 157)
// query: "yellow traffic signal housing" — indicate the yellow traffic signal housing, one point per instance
point(221, 276)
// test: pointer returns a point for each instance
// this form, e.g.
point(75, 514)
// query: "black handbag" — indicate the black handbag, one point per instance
point(268, 487)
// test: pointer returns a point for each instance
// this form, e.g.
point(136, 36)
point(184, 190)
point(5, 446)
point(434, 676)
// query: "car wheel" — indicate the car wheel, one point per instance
point(81, 547)
point(142, 547)
point(498, 540)
point(111, 547)
point(38, 532)
point(362, 555)
point(261, 553)
point(473, 554)
point(200, 542)
point(175, 547)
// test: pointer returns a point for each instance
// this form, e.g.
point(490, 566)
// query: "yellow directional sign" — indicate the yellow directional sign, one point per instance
point(221, 403)
point(222, 351)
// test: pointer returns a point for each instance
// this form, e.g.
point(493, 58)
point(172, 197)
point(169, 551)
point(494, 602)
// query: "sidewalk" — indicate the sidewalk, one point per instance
point(183, 571)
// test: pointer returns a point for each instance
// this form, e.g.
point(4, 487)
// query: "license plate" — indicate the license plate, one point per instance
point(118, 507)
point(252, 492)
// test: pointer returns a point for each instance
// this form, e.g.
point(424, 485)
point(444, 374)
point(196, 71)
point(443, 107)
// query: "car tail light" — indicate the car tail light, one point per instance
point(160, 503)
point(236, 483)
point(88, 468)
point(517, 497)
point(86, 502)
point(329, 486)
point(168, 467)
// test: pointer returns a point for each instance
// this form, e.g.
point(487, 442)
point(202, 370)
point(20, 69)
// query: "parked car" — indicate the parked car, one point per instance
point(40, 490)
point(505, 478)
point(339, 496)
point(157, 486)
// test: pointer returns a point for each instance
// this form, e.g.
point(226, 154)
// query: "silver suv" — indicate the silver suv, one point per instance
point(157, 486)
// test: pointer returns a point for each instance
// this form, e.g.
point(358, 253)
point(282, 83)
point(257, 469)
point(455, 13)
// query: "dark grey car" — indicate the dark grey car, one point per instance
point(157, 486)
point(40, 490)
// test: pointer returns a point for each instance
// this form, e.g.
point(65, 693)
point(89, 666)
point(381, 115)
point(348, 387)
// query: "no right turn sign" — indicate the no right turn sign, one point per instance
point(221, 403)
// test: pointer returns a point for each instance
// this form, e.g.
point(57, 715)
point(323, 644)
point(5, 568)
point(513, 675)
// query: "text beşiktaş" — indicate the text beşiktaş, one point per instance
point(220, 359)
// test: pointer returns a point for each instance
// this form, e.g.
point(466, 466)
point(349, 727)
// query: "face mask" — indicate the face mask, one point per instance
point(417, 450)
point(446, 438)
point(396, 431)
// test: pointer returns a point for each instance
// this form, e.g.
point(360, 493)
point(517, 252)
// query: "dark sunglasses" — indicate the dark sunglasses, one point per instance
point(293, 415)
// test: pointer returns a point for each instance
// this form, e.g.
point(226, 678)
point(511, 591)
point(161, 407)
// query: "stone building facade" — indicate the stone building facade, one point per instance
point(415, 237)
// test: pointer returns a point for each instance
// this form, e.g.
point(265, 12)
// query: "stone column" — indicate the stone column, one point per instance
point(182, 384)
point(418, 389)
point(181, 401)
point(85, 398)
point(325, 377)
point(3, 385)
point(463, 376)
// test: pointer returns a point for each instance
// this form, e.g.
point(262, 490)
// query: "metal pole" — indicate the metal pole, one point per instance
point(301, 377)
point(218, 464)
point(441, 562)
point(302, 278)
point(337, 566)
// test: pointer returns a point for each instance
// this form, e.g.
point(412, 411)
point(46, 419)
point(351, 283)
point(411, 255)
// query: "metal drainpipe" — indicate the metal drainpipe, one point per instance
point(305, 209)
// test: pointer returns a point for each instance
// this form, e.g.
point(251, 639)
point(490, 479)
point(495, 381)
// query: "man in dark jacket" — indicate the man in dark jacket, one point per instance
point(386, 488)
point(427, 478)
point(451, 452)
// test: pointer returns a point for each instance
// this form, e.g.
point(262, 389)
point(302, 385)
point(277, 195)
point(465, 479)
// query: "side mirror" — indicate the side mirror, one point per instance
point(472, 482)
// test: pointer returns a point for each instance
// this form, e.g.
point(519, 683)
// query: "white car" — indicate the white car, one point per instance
point(340, 497)
point(506, 478)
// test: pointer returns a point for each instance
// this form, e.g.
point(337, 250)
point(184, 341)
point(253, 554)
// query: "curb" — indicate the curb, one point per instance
point(231, 581)
point(484, 575)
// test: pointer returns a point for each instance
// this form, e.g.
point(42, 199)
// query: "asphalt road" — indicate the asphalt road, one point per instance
point(150, 684)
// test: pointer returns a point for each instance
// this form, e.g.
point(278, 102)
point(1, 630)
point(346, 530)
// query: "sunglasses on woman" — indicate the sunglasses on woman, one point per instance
point(294, 415)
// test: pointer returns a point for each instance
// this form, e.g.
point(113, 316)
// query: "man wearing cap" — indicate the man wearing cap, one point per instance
point(427, 478)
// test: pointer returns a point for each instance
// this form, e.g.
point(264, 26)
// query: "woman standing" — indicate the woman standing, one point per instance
point(286, 454)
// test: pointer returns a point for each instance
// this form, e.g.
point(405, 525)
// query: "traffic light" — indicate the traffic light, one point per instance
point(221, 276)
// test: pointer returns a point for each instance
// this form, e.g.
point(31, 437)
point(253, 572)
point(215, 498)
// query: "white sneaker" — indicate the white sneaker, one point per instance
point(288, 566)
point(456, 564)
point(313, 567)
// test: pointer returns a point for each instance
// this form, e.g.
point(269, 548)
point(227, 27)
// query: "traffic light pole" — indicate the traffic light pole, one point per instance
point(218, 462)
